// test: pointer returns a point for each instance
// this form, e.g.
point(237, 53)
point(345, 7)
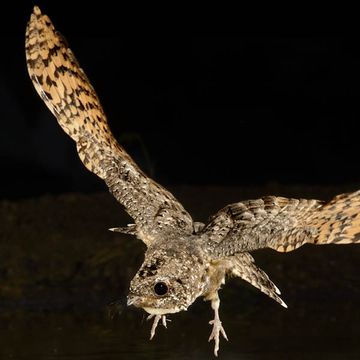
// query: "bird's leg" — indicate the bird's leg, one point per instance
point(216, 323)
point(157, 318)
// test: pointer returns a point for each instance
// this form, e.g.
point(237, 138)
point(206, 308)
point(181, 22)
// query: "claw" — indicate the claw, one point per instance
point(157, 318)
point(163, 320)
point(215, 334)
point(217, 326)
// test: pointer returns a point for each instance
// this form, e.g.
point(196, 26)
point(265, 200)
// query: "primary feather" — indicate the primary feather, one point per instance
point(67, 92)
point(284, 224)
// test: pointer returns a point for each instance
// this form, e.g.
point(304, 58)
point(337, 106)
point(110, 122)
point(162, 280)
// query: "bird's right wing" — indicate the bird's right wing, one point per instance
point(284, 224)
point(67, 92)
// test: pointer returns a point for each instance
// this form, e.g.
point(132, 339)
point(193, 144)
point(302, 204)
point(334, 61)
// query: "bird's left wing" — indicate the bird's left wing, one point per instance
point(284, 224)
point(67, 92)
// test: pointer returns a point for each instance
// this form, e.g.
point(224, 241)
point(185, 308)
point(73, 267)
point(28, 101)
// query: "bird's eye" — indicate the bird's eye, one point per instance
point(160, 288)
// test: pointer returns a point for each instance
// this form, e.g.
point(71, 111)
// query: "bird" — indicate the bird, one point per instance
point(184, 259)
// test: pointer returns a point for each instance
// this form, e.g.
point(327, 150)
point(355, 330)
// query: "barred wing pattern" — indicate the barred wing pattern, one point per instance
point(67, 92)
point(284, 224)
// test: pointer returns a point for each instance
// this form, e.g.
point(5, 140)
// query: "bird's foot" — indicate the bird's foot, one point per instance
point(157, 318)
point(215, 333)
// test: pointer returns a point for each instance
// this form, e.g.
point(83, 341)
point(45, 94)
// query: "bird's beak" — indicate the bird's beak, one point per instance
point(137, 301)
point(130, 301)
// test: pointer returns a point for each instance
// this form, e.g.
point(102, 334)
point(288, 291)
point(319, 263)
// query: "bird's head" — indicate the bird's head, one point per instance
point(169, 280)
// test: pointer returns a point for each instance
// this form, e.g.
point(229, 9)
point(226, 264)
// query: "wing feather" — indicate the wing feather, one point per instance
point(284, 224)
point(67, 92)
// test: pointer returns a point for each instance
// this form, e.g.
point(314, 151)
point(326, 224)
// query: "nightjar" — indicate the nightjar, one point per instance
point(184, 259)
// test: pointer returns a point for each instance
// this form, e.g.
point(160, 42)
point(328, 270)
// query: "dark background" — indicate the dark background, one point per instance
point(250, 113)
point(202, 109)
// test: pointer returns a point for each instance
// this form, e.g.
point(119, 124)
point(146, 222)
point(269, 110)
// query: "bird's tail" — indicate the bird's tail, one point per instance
point(243, 266)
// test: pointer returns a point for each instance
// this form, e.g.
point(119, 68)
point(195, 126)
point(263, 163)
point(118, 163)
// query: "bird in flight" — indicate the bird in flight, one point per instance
point(184, 259)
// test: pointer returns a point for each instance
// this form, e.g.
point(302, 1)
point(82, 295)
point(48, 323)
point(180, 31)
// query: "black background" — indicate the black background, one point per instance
point(222, 109)
point(241, 109)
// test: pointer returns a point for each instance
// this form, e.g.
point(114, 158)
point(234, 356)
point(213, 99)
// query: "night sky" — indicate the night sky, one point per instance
point(234, 109)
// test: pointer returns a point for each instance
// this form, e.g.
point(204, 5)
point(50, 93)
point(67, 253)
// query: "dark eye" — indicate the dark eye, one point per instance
point(160, 288)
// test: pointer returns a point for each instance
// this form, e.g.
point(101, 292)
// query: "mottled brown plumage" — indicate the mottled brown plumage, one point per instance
point(284, 224)
point(66, 91)
point(184, 259)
